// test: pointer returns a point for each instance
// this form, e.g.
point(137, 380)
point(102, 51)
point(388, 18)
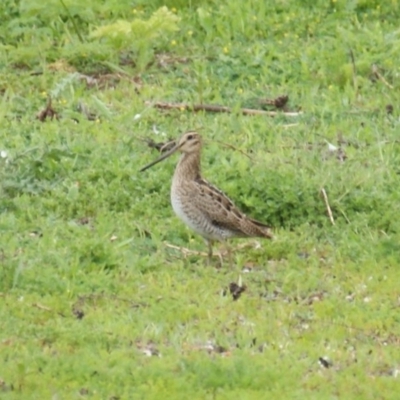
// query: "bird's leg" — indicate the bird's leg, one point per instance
point(229, 253)
point(210, 253)
point(210, 250)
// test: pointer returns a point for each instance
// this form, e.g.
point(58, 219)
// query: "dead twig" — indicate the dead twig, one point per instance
point(289, 125)
point(328, 207)
point(353, 63)
point(41, 307)
point(232, 147)
point(215, 108)
point(187, 252)
point(378, 75)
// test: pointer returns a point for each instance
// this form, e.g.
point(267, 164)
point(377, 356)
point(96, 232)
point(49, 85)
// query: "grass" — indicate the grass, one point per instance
point(93, 303)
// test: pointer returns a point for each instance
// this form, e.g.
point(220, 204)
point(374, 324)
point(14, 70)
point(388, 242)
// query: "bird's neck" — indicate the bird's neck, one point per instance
point(189, 166)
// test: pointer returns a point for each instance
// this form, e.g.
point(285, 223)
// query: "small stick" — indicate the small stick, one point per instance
point(41, 307)
point(232, 147)
point(223, 109)
point(186, 252)
point(289, 125)
point(353, 63)
point(328, 208)
point(376, 72)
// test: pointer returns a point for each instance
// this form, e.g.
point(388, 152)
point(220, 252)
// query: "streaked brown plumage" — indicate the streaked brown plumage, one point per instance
point(202, 206)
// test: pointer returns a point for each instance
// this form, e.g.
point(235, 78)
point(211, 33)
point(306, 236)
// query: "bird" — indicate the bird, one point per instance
point(200, 205)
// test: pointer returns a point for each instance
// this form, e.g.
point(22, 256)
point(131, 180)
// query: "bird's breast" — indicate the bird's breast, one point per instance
point(193, 217)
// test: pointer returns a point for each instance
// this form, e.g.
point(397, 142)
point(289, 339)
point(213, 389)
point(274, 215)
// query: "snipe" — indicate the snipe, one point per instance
point(201, 206)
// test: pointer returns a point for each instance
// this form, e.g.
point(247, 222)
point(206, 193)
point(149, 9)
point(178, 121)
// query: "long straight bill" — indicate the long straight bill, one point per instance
point(163, 157)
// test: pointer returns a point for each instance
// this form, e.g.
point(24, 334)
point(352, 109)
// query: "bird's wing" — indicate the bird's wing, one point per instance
point(221, 211)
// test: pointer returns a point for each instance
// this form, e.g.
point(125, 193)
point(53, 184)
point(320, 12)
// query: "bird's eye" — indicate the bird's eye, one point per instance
point(190, 137)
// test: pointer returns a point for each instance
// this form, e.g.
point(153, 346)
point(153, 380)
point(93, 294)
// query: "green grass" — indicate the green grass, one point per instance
point(93, 304)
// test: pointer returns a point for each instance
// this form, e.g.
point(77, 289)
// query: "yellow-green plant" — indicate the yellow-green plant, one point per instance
point(139, 35)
